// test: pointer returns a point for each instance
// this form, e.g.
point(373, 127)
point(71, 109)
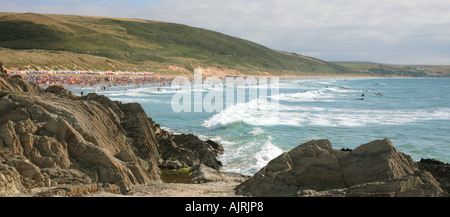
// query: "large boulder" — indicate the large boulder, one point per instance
point(316, 169)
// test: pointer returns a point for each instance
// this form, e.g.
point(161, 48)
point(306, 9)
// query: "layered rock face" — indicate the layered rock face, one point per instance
point(16, 84)
point(90, 134)
point(316, 169)
point(52, 137)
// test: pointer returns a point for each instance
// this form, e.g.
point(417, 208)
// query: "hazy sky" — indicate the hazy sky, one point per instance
point(386, 31)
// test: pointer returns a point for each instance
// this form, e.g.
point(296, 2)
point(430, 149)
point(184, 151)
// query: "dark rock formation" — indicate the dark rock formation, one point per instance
point(179, 152)
point(52, 137)
point(187, 150)
point(439, 170)
point(60, 91)
point(316, 169)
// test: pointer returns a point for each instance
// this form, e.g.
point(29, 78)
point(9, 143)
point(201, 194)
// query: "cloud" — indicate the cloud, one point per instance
point(400, 31)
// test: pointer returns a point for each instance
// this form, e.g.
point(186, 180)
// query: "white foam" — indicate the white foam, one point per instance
point(143, 91)
point(268, 152)
point(326, 82)
point(170, 130)
point(328, 94)
point(135, 99)
point(307, 96)
point(217, 139)
point(319, 116)
point(257, 131)
point(358, 118)
point(258, 112)
point(125, 93)
point(254, 154)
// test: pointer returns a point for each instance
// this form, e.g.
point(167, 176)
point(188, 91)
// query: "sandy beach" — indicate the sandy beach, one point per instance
point(46, 79)
point(224, 188)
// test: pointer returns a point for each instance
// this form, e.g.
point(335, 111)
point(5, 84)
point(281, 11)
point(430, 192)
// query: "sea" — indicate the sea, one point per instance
point(414, 113)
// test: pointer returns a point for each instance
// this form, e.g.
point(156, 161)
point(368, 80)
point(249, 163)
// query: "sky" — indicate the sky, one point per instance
point(383, 31)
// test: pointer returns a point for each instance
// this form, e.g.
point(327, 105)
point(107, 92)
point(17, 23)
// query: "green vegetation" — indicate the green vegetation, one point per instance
point(378, 69)
point(69, 42)
point(180, 175)
point(139, 42)
point(17, 30)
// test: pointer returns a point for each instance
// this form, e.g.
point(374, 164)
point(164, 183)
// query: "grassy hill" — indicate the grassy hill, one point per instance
point(136, 44)
point(379, 69)
point(70, 42)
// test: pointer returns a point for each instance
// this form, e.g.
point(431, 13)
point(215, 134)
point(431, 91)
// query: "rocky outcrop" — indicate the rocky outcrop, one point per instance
point(11, 182)
point(58, 130)
point(52, 137)
point(439, 170)
point(316, 169)
point(2, 71)
point(186, 158)
point(187, 150)
point(16, 84)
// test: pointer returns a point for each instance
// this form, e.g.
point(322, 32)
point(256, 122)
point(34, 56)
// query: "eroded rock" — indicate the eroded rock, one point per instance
point(316, 169)
point(107, 141)
point(51, 137)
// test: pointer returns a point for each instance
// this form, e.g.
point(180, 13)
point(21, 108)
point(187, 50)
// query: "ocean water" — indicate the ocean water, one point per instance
point(413, 112)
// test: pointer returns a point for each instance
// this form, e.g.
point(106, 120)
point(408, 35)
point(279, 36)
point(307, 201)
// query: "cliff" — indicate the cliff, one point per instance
point(53, 138)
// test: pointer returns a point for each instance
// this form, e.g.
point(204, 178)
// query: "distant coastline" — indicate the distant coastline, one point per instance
point(67, 77)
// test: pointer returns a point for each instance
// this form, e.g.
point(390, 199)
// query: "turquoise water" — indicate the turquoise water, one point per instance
point(413, 112)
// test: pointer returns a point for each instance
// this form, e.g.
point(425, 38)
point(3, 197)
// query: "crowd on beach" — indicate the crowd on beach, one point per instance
point(93, 80)
point(85, 79)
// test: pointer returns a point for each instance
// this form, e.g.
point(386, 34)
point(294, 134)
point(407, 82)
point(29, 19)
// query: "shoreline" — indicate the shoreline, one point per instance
point(47, 79)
